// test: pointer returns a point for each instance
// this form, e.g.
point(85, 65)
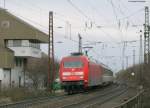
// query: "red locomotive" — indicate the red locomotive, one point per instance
point(77, 72)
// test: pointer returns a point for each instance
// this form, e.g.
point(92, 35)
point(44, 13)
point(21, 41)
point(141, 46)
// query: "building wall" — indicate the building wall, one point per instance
point(1, 77)
point(16, 79)
point(1, 74)
point(6, 58)
point(4, 78)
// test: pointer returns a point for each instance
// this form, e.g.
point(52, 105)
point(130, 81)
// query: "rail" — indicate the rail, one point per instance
point(134, 102)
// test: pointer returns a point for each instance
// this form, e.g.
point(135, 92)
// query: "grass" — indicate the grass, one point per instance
point(18, 94)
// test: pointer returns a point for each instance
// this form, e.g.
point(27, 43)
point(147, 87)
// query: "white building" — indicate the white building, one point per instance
point(18, 40)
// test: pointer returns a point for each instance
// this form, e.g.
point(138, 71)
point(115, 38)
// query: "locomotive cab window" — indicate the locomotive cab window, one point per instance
point(73, 64)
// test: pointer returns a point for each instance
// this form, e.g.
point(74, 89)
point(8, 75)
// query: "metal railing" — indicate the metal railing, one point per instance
point(134, 102)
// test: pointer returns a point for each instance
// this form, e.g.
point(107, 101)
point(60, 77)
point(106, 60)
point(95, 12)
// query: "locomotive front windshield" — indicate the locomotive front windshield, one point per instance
point(73, 64)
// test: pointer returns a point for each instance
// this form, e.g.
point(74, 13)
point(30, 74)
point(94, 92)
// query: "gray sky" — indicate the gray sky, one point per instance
point(106, 21)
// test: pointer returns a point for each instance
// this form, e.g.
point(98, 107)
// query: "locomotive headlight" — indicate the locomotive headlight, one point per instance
point(81, 77)
point(66, 73)
point(64, 77)
point(79, 73)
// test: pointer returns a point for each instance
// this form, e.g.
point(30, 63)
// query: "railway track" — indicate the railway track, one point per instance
point(31, 102)
point(76, 98)
point(59, 101)
point(36, 101)
point(97, 100)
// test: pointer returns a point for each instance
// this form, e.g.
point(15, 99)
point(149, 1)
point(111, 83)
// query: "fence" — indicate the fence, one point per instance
point(135, 102)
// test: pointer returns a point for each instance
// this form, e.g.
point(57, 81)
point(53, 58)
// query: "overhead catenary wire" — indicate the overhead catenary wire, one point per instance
point(114, 11)
point(60, 18)
point(38, 11)
point(132, 14)
point(93, 7)
point(121, 33)
point(118, 22)
point(79, 10)
point(42, 25)
point(127, 9)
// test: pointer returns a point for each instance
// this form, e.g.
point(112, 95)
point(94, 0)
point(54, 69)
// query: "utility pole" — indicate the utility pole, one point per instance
point(146, 37)
point(123, 54)
point(80, 43)
point(70, 31)
point(125, 43)
point(141, 59)
point(134, 64)
point(4, 4)
point(133, 58)
point(127, 61)
point(87, 49)
point(51, 64)
point(141, 49)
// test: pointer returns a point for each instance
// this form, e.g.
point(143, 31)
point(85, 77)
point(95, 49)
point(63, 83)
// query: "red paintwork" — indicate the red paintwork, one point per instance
point(92, 71)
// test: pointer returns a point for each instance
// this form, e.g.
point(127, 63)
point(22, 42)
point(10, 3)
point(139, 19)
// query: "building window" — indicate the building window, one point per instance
point(13, 83)
point(6, 43)
point(34, 44)
point(19, 81)
point(5, 24)
point(17, 43)
point(19, 62)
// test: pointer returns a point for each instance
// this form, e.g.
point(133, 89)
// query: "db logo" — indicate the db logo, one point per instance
point(73, 69)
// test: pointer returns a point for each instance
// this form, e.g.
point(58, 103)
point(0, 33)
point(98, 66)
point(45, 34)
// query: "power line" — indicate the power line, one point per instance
point(119, 8)
point(134, 13)
point(116, 18)
point(142, 1)
point(108, 35)
point(115, 13)
point(128, 11)
point(79, 10)
point(31, 21)
point(38, 23)
point(40, 10)
point(97, 11)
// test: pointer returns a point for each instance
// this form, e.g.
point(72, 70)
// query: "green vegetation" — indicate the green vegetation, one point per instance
point(56, 86)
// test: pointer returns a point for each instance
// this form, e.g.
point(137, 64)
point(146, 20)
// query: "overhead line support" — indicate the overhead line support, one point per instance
point(80, 43)
point(146, 37)
point(51, 64)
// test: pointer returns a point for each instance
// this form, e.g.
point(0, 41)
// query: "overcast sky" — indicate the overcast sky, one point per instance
point(106, 21)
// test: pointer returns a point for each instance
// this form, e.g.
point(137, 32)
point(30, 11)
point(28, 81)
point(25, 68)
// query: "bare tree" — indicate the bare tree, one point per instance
point(37, 69)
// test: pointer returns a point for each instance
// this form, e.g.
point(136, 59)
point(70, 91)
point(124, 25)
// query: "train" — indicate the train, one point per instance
point(77, 72)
